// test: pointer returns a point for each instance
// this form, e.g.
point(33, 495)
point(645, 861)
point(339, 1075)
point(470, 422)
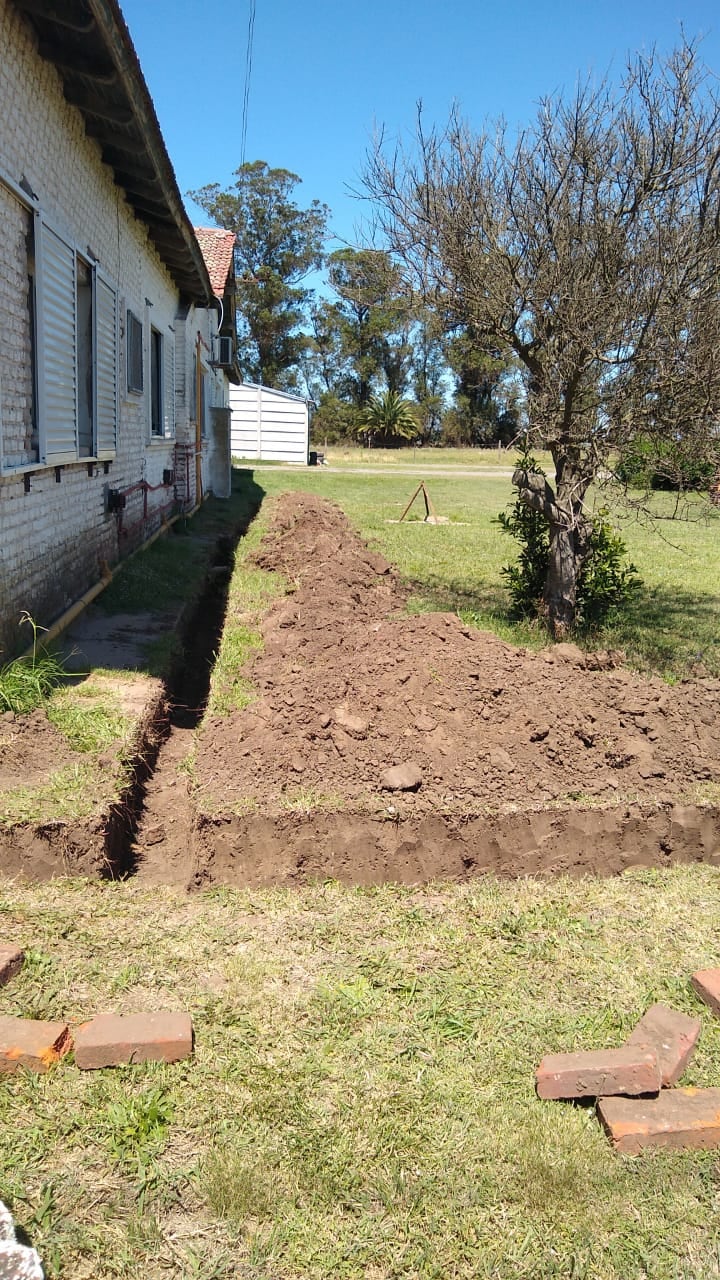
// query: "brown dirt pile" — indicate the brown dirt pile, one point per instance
point(508, 760)
point(349, 686)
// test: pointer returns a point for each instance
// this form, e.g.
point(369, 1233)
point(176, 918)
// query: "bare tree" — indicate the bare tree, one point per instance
point(589, 248)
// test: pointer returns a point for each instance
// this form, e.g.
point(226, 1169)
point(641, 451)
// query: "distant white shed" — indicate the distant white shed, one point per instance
point(269, 425)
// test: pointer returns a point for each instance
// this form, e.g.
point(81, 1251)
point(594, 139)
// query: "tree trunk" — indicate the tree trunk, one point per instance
point(568, 534)
point(560, 594)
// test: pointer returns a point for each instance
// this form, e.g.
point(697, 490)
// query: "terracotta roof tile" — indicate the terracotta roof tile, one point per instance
point(217, 250)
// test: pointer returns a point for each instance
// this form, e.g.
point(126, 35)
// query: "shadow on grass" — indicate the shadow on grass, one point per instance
point(171, 570)
point(675, 633)
point(486, 597)
point(181, 575)
point(671, 631)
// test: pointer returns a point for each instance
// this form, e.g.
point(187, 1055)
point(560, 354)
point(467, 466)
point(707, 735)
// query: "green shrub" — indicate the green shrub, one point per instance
point(662, 464)
point(605, 583)
point(526, 578)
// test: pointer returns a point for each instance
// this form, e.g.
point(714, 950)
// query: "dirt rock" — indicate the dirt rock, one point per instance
point(401, 777)
point(571, 653)
point(355, 725)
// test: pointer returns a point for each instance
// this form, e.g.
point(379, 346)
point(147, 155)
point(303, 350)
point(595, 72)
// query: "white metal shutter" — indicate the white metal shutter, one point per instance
point(106, 365)
point(169, 396)
point(57, 364)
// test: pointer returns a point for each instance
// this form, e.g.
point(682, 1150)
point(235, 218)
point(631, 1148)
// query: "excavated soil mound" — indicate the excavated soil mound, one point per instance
point(388, 746)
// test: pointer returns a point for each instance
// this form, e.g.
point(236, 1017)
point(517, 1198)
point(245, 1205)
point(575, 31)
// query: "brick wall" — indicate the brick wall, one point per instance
point(55, 530)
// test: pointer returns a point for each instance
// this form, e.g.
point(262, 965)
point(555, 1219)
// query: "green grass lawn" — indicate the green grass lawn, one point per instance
point(347, 454)
point(361, 1101)
point(673, 624)
point(360, 1104)
point(344, 455)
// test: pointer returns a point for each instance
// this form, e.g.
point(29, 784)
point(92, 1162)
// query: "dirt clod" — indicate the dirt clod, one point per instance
point(401, 777)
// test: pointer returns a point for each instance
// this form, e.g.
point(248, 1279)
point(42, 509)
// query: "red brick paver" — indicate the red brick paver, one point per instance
point(27, 1043)
point(11, 961)
point(678, 1118)
point(598, 1073)
point(707, 985)
point(111, 1040)
point(672, 1035)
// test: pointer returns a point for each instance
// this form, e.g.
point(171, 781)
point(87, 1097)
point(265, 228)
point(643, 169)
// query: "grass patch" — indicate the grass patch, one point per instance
point(170, 571)
point(155, 579)
point(73, 791)
point(309, 800)
point(354, 455)
point(99, 719)
point(90, 719)
point(250, 593)
point(360, 1102)
point(26, 683)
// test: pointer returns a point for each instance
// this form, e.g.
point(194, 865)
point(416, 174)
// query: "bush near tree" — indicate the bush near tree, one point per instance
point(607, 580)
point(664, 464)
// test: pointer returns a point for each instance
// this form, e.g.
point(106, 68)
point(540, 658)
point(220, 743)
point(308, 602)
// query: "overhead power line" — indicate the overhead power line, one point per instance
point(248, 76)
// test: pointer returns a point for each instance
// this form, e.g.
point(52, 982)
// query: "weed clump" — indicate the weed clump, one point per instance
point(25, 683)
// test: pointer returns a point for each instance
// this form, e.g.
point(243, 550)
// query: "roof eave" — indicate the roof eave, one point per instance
point(89, 44)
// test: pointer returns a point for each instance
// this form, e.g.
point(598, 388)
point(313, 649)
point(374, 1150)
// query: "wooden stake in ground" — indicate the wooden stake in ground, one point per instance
point(429, 509)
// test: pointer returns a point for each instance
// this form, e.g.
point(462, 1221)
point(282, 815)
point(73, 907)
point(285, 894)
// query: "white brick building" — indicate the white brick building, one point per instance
point(112, 400)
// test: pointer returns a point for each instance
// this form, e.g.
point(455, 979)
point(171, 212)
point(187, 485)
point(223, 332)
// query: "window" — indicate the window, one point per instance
point(156, 383)
point(18, 409)
point(64, 317)
point(76, 311)
point(134, 344)
point(85, 353)
point(203, 404)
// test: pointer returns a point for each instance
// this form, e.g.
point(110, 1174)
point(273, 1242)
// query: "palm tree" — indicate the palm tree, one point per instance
point(388, 419)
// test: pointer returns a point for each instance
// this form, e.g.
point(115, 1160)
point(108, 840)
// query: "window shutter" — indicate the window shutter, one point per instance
point(57, 362)
point(134, 352)
point(106, 349)
point(169, 398)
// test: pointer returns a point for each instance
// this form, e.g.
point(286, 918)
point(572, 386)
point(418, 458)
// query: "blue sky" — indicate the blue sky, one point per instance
point(325, 74)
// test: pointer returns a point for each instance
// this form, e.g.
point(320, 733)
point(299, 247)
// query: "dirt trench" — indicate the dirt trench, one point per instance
point(158, 847)
point(147, 829)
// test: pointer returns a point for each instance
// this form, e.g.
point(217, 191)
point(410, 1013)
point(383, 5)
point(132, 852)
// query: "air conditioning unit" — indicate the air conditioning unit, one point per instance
point(224, 354)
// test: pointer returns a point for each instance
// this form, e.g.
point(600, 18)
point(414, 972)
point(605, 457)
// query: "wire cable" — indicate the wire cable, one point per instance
point(248, 75)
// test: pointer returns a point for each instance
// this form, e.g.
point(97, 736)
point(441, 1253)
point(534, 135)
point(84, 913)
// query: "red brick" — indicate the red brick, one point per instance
point(631, 1069)
point(672, 1035)
point(27, 1043)
point(707, 984)
point(11, 961)
point(678, 1118)
point(111, 1040)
